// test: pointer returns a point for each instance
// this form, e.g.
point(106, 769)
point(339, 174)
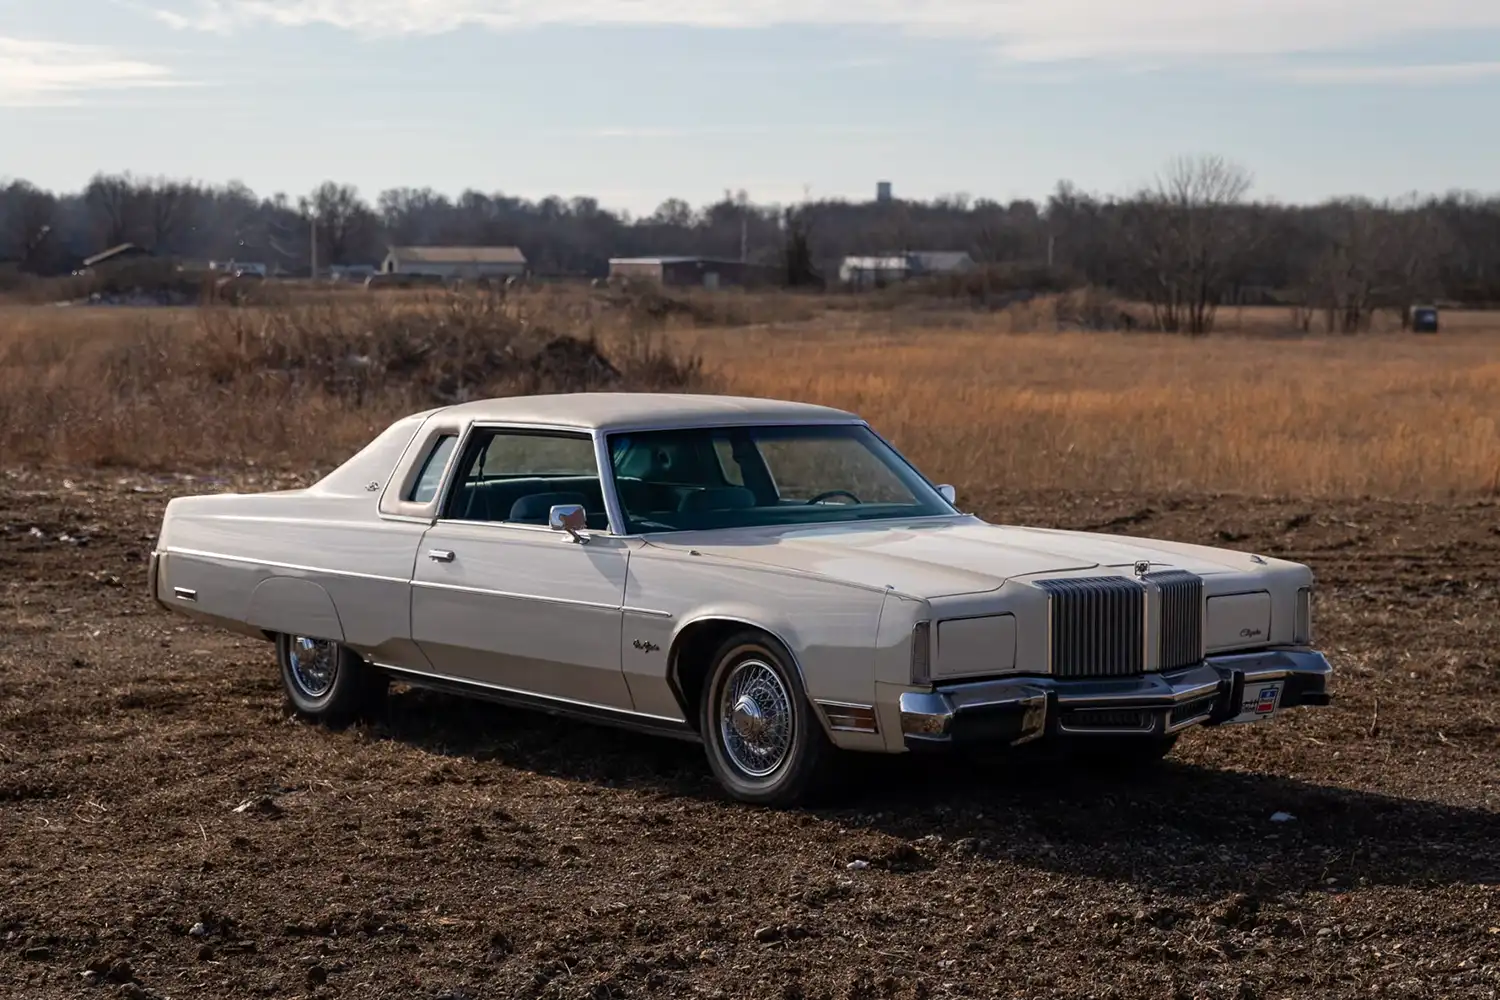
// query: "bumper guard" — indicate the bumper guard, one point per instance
point(1015, 710)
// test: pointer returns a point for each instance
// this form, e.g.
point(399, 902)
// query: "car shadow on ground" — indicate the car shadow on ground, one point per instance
point(1178, 828)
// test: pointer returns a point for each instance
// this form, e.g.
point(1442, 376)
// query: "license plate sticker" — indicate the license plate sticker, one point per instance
point(1260, 702)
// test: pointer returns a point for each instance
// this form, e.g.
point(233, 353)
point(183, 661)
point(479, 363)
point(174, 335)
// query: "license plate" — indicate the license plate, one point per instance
point(1260, 702)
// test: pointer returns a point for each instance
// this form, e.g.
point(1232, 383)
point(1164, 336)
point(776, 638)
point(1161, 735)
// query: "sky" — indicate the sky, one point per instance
point(636, 101)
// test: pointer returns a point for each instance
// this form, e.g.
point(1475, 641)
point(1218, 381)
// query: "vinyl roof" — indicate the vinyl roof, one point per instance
point(640, 410)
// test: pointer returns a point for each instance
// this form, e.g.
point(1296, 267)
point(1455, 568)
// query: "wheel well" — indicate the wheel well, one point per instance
point(690, 659)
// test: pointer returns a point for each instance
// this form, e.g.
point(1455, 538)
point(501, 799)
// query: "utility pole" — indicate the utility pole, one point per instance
point(312, 225)
point(744, 235)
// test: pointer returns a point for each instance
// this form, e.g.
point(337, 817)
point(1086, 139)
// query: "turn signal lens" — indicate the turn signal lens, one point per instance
point(1302, 627)
point(921, 653)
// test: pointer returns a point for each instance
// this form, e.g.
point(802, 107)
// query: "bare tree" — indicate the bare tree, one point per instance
point(1188, 235)
point(344, 222)
point(113, 208)
point(164, 208)
point(27, 224)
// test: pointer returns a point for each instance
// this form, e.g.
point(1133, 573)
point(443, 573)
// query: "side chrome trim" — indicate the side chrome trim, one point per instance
point(185, 594)
point(295, 567)
point(648, 613)
point(512, 596)
point(551, 704)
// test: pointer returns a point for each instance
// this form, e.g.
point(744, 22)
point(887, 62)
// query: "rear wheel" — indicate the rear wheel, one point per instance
point(763, 742)
point(328, 682)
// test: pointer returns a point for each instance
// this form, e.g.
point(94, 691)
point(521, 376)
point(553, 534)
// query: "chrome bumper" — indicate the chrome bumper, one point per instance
point(1016, 710)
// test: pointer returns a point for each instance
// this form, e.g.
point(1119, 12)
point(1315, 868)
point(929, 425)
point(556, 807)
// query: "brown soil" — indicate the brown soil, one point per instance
point(462, 850)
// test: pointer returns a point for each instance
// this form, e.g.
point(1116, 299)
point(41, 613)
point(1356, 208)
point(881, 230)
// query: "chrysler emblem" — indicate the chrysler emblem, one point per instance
point(1142, 567)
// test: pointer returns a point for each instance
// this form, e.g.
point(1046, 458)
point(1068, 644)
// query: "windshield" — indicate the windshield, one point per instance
point(733, 477)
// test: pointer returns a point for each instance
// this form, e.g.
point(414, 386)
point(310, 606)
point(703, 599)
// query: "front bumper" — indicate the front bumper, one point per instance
point(1015, 710)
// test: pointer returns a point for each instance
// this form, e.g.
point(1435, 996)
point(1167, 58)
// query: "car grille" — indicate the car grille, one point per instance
point(1181, 631)
point(1108, 720)
point(1098, 623)
point(1098, 626)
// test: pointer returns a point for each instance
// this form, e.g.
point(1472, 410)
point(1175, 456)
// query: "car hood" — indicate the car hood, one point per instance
point(947, 556)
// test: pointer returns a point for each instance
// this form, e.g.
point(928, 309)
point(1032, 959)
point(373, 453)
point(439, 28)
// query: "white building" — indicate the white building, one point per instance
point(886, 269)
point(873, 272)
point(939, 262)
point(451, 263)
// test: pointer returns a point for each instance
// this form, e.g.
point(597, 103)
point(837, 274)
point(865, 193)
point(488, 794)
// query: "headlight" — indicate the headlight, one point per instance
point(921, 653)
point(1302, 624)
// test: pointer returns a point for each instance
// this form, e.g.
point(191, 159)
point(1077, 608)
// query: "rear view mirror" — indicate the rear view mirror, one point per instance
point(949, 493)
point(569, 517)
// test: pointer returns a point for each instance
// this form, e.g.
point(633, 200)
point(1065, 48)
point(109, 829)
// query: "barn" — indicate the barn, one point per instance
point(701, 272)
point(456, 263)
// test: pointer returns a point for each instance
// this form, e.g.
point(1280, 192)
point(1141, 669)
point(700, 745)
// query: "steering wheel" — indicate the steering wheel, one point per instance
point(834, 493)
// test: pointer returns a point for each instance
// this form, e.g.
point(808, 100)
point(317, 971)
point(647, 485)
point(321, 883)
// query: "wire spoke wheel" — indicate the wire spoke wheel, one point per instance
point(314, 665)
point(756, 720)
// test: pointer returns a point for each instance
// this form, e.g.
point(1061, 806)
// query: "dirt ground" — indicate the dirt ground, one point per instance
point(463, 850)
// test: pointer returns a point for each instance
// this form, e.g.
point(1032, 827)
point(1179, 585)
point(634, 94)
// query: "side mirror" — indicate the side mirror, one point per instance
point(949, 493)
point(569, 517)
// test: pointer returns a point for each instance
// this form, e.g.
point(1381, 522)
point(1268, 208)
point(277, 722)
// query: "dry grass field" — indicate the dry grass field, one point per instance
point(168, 830)
point(976, 399)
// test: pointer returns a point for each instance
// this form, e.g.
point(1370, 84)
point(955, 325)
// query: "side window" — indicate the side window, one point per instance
point(517, 477)
point(426, 486)
point(508, 455)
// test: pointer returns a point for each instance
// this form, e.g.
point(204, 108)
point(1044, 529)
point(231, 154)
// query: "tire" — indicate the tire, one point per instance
point(327, 682)
point(757, 758)
point(1120, 754)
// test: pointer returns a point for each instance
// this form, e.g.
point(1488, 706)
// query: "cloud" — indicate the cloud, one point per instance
point(48, 73)
point(1415, 75)
point(734, 131)
point(1025, 30)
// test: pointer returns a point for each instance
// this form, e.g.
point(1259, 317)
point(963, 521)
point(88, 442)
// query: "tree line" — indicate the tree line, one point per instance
point(1187, 243)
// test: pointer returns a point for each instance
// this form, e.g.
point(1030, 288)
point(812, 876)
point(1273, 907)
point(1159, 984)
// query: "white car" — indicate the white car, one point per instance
point(770, 578)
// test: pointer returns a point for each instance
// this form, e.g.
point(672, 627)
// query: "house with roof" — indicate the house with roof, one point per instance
point(690, 271)
point(456, 262)
point(116, 255)
point(886, 269)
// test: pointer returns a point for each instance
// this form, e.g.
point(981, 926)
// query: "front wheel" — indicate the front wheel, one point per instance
point(328, 682)
point(763, 743)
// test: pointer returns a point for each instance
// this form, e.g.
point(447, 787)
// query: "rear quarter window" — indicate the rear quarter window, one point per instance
point(425, 489)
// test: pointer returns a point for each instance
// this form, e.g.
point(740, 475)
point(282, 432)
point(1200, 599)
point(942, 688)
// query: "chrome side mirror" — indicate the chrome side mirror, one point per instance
point(949, 493)
point(569, 517)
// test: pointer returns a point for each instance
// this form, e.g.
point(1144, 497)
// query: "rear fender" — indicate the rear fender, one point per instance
point(294, 607)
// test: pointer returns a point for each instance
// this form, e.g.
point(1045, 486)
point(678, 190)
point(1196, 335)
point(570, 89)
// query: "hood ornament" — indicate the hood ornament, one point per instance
point(1142, 567)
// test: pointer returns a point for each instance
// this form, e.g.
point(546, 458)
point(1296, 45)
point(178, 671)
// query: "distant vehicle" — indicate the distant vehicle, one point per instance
point(771, 579)
point(239, 269)
point(1424, 319)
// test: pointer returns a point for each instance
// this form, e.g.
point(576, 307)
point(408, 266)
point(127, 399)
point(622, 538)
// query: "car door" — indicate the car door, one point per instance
point(501, 600)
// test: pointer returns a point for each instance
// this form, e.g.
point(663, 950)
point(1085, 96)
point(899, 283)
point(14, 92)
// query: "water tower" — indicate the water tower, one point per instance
point(882, 191)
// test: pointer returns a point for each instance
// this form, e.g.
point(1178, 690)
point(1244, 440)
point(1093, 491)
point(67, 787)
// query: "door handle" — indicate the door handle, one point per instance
point(440, 555)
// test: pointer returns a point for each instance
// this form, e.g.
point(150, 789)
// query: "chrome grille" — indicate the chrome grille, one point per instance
point(1098, 626)
point(1181, 631)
